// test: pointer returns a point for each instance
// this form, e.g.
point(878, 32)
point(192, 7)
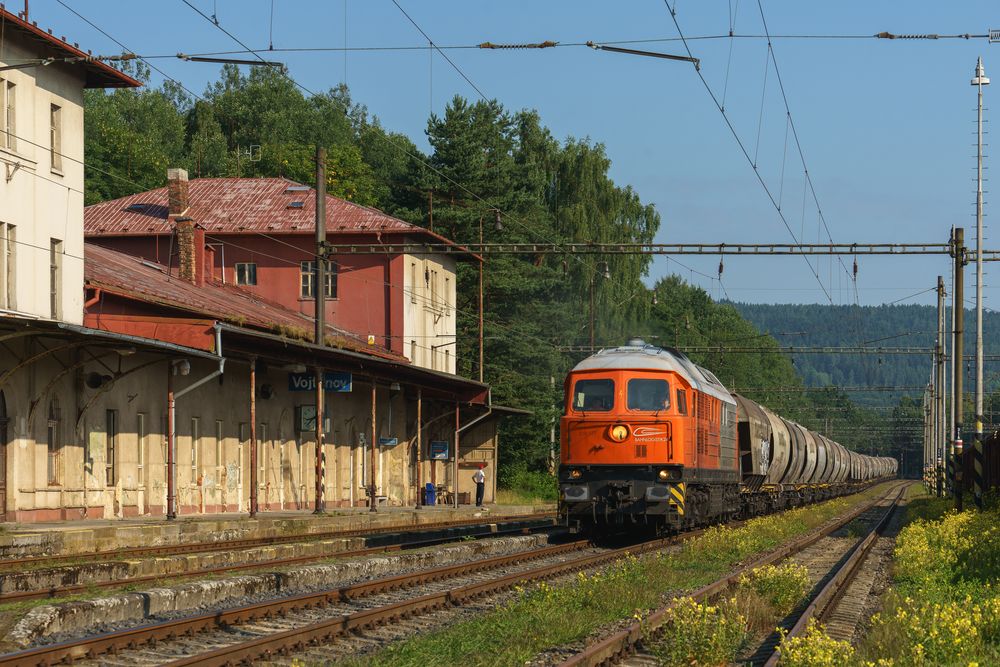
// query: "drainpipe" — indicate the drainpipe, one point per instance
point(172, 397)
point(489, 411)
point(94, 299)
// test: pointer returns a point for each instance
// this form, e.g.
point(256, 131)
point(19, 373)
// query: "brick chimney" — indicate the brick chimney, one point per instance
point(190, 235)
point(179, 201)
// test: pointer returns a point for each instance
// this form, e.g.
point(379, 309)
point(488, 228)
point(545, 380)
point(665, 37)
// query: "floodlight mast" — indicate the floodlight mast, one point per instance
point(979, 81)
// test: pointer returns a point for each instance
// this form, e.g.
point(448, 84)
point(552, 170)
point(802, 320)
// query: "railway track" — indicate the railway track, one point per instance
point(843, 593)
point(386, 533)
point(250, 633)
point(625, 646)
point(396, 541)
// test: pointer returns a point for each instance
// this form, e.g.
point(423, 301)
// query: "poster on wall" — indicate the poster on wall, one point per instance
point(439, 450)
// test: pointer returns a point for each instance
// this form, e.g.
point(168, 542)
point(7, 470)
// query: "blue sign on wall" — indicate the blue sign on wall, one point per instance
point(334, 381)
point(439, 450)
point(388, 442)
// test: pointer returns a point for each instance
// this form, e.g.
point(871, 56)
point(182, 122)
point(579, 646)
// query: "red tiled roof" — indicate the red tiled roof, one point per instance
point(98, 74)
point(148, 282)
point(240, 205)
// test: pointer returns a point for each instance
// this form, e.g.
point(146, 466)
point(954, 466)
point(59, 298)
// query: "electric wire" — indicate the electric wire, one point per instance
point(743, 148)
point(143, 59)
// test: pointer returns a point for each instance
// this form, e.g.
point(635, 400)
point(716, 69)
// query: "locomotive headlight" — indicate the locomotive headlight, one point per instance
point(575, 474)
point(618, 432)
point(663, 475)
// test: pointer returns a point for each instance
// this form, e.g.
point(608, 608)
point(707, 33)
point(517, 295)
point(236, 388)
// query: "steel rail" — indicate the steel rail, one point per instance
point(113, 642)
point(70, 589)
point(624, 642)
point(327, 630)
point(230, 545)
point(824, 601)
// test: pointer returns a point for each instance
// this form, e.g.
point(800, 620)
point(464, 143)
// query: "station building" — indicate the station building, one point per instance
point(137, 382)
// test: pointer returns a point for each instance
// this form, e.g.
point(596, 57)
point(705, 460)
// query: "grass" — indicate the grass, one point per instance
point(520, 486)
point(944, 605)
point(715, 633)
point(543, 616)
point(520, 497)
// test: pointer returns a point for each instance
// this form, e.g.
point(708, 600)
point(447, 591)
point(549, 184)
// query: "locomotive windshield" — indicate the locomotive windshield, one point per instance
point(648, 395)
point(593, 395)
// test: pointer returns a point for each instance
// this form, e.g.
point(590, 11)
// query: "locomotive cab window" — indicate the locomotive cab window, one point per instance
point(682, 403)
point(594, 395)
point(648, 395)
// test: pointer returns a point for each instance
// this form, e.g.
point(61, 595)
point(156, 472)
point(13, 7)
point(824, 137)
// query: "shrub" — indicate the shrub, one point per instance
point(814, 649)
point(529, 484)
point(701, 634)
point(780, 586)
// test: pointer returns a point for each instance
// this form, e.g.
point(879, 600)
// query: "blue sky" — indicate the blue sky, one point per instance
point(887, 127)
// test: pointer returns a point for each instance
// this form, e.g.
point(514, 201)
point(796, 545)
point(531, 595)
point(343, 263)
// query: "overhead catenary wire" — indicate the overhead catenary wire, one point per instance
point(128, 50)
point(706, 275)
point(743, 148)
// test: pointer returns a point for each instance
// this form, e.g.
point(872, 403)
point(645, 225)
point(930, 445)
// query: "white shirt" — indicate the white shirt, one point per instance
point(479, 477)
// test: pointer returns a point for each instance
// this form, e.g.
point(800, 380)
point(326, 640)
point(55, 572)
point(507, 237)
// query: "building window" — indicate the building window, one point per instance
point(246, 273)
point(244, 440)
point(141, 441)
point(54, 446)
point(219, 442)
point(435, 295)
point(110, 446)
point(413, 351)
point(413, 282)
point(262, 454)
point(8, 244)
point(9, 91)
point(195, 446)
point(55, 276)
point(307, 280)
point(446, 294)
point(447, 361)
point(55, 135)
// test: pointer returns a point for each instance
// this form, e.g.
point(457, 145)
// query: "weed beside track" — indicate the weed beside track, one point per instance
point(548, 615)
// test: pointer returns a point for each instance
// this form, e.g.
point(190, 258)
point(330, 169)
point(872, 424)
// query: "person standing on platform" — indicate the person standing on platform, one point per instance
point(480, 479)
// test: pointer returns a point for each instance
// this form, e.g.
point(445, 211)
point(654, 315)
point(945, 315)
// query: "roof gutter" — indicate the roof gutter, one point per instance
point(360, 357)
point(136, 340)
point(489, 411)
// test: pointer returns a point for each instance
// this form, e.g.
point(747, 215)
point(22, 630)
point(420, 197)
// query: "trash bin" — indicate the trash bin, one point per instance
point(430, 495)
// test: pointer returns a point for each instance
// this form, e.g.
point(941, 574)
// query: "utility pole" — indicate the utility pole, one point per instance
point(958, 300)
point(592, 280)
point(319, 292)
point(949, 458)
point(979, 81)
point(940, 433)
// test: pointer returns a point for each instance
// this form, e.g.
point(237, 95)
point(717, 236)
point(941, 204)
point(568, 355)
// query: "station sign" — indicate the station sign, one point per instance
point(439, 450)
point(388, 442)
point(333, 381)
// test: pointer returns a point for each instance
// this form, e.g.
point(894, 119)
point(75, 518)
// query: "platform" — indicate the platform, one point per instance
point(88, 536)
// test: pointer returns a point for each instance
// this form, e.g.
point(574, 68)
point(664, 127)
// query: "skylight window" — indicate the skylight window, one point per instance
point(297, 188)
point(135, 207)
point(296, 204)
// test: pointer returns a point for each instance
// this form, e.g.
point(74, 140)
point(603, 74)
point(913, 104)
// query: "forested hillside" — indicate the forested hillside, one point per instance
point(875, 327)
point(488, 166)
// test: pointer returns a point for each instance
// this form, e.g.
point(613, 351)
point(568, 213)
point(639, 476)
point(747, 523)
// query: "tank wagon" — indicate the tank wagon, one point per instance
point(651, 438)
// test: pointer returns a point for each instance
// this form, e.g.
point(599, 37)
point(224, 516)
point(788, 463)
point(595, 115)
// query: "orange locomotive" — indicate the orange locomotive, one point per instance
point(651, 438)
point(647, 436)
